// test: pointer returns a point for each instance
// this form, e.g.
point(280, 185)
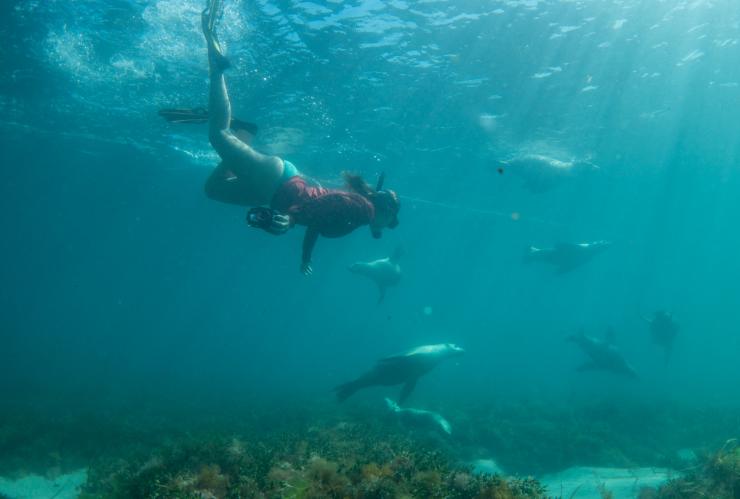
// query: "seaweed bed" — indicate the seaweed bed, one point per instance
point(315, 450)
point(347, 460)
point(718, 476)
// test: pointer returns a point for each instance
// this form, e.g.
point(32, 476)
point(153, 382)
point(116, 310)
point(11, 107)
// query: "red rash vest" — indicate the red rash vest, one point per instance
point(331, 212)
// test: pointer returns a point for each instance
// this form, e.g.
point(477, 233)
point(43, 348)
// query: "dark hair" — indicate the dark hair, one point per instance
point(357, 184)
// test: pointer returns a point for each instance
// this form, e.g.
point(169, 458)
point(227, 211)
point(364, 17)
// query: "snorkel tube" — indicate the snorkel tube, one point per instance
point(385, 200)
point(381, 181)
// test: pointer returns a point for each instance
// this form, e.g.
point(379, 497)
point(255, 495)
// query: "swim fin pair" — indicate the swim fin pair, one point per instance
point(200, 115)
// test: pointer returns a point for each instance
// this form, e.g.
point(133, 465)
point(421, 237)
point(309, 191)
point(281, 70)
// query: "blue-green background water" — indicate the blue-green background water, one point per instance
point(124, 286)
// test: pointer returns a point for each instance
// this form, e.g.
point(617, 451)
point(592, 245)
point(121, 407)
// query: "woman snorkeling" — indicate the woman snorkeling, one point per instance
point(281, 198)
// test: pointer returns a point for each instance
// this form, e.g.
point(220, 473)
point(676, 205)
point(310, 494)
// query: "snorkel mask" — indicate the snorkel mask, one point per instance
point(385, 201)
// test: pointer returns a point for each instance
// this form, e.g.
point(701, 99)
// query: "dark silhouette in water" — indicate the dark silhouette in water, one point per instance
point(604, 356)
point(566, 256)
point(384, 272)
point(403, 369)
point(663, 330)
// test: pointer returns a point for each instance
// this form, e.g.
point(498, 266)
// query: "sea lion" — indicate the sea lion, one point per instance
point(663, 330)
point(603, 354)
point(541, 173)
point(384, 272)
point(405, 369)
point(566, 256)
point(419, 418)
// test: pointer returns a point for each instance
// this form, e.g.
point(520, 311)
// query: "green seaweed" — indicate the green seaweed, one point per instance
point(299, 450)
point(361, 460)
point(718, 476)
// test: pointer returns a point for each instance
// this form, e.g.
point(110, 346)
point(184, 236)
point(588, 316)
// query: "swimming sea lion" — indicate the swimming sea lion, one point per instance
point(384, 272)
point(566, 256)
point(603, 354)
point(405, 369)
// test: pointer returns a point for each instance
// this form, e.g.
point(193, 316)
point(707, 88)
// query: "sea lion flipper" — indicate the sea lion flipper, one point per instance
point(407, 389)
point(392, 406)
point(346, 390)
point(381, 289)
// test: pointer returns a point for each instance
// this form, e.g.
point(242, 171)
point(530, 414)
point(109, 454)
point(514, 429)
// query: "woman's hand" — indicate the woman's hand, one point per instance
point(306, 268)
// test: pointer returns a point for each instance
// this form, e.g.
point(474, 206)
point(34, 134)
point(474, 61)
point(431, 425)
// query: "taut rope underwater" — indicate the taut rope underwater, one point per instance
point(514, 216)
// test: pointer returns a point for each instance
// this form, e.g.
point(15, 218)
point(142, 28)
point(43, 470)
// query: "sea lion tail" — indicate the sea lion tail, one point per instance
point(346, 390)
point(381, 290)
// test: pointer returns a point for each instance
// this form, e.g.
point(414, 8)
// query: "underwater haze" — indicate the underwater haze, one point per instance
point(141, 320)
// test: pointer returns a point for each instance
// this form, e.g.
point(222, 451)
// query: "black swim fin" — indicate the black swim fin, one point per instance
point(182, 115)
point(200, 115)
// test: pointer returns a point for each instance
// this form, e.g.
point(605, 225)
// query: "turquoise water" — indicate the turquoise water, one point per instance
point(130, 299)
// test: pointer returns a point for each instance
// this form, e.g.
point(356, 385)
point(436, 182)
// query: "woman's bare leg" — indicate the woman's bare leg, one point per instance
point(251, 166)
point(219, 105)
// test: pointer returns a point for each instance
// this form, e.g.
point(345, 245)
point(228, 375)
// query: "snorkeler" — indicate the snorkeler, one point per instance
point(280, 196)
point(663, 329)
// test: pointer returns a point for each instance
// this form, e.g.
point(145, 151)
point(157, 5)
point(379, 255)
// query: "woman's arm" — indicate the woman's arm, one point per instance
point(309, 241)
